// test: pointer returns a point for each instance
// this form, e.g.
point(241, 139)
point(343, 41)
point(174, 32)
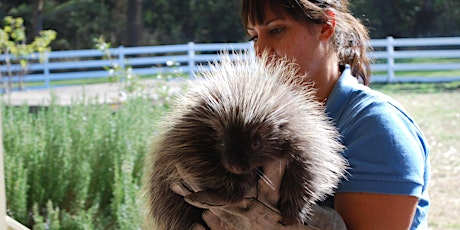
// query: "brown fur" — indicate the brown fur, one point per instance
point(236, 118)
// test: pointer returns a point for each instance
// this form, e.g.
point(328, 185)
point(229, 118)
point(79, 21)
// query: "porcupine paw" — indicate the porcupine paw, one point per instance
point(290, 214)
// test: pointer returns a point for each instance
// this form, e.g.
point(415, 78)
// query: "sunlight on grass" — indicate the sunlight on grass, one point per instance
point(416, 87)
point(435, 108)
point(79, 167)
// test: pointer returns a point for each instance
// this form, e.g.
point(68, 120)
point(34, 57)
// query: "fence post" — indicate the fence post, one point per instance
point(121, 56)
point(46, 69)
point(390, 59)
point(191, 58)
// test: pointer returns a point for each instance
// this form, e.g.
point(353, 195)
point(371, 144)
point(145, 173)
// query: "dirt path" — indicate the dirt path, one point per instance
point(105, 93)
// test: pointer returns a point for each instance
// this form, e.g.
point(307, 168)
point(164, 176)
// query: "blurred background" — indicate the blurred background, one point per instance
point(160, 22)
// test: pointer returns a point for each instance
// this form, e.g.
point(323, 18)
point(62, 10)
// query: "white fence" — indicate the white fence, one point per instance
point(439, 56)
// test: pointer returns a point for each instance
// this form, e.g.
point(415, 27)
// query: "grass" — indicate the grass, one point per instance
point(419, 60)
point(424, 73)
point(428, 60)
point(79, 167)
point(427, 74)
point(435, 107)
point(417, 88)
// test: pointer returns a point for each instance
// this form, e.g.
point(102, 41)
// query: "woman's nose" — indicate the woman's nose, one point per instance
point(261, 47)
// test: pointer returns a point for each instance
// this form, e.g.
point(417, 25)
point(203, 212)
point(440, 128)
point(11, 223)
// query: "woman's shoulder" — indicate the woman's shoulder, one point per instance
point(383, 143)
point(361, 113)
point(351, 101)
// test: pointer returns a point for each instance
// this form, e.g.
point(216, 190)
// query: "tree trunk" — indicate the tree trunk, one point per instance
point(38, 20)
point(134, 23)
point(424, 19)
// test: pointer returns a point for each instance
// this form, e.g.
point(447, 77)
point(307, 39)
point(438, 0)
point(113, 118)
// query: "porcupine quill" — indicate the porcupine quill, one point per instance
point(241, 114)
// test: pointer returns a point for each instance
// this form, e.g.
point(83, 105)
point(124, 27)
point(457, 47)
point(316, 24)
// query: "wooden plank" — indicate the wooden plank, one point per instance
point(14, 225)
point(2, 180)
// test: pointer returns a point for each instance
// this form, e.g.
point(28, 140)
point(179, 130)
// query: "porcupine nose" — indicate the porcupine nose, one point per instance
point(235, 169)
point(235, 165)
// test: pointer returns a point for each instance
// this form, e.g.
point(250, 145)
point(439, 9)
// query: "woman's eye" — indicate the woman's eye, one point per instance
point(275, 30)
point(272, 32)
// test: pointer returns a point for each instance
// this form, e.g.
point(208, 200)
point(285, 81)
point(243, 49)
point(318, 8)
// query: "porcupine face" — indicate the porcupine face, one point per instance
point(244, 150)
point(238, 150)
point(240, 132)
point(245, 147)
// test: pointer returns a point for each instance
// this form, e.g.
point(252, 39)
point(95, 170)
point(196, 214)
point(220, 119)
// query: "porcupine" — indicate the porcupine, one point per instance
point(239, 115)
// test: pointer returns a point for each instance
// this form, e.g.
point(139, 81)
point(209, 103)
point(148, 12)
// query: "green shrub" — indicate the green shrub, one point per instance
point(77, 167)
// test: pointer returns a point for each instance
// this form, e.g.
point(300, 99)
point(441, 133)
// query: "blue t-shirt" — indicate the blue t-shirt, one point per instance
point(386, 150)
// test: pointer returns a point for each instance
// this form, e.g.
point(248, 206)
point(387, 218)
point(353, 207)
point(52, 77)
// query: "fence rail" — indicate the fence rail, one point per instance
point(393, 58)
point(424, 54)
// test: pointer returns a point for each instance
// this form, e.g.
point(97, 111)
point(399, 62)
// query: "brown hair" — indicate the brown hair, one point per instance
point(351, 37)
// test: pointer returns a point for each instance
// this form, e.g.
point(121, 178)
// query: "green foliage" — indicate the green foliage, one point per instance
point(13, 40)
point(409, 18)
point(77, 167)
point(119, 72)
point(13, 45)
point(180, 21)
point(52, 220)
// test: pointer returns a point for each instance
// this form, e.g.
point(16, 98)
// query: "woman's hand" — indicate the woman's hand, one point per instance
point(247, 214)
point(257, 211)
point(254, 214)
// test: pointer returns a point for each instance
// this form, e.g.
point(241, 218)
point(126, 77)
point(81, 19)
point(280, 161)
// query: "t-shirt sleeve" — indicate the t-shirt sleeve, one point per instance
point(385, 150)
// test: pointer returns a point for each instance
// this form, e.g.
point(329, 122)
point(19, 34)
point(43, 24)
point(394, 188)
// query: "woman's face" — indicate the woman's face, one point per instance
point(283, 36)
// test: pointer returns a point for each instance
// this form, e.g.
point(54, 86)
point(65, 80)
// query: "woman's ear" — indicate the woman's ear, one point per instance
point(328, 28)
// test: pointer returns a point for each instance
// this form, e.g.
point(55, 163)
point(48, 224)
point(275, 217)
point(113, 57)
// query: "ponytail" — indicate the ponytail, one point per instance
point(351, 40)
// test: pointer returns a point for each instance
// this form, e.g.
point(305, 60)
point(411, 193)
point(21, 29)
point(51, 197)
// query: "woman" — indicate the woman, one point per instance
point(388, 183)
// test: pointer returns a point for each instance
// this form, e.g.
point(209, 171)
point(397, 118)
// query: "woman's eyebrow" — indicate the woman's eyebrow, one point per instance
point(266, 23)
point(272, 20)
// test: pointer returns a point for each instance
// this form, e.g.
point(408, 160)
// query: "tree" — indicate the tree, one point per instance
point(13, 45)
point(216, 21)
point(409, 18)
point(157, 22)
point(134, 23)
point(78, 22)
point(38, 19)
point(447, 18)
point(167, 21)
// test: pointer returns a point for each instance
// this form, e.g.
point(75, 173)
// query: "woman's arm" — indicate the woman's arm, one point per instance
point(375, 211)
